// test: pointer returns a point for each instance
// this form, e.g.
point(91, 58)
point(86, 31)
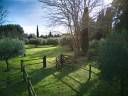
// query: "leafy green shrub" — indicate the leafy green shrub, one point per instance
point(43, 41)
point(10, 48)
point(66, 41)
point(93, 44)
point(113, 58)
point(52, 41)
point(93, 47)
point(35, 42)
point(26, 41)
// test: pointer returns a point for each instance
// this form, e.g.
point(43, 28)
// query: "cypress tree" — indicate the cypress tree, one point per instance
point(37, 32)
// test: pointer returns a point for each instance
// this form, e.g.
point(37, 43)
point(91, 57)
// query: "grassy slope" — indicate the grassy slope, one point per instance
point(70, 81)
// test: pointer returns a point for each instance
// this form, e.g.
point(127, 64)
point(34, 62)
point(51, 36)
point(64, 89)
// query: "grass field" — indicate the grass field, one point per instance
point(72, 80)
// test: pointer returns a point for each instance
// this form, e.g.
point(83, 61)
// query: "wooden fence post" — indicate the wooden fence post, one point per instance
point(61, 60)
point(90, 71)
point(28, 86)
point(44, 62)
point(56, 63)
point(23, 70)
point(22, 64)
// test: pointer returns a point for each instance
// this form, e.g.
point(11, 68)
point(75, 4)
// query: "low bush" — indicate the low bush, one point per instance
point(66, 41)
point(93, 48)
point(41, 41)
point(35, 42)
point(52, 41)
point(113, 59)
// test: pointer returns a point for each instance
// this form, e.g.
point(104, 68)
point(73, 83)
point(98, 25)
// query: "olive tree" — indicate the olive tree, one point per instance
point(10, 48)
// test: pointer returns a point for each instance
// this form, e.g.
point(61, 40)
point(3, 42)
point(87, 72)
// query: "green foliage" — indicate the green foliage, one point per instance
point(112, 57)
point(84, 40)
point(41, 41)
point(11, 31)
point(94, 44)
point(66, 41)
point(52, 41)
point(35, 41)
point(50, 34)
point(104, 23)
point(31, 36)
point(10, 48)
point(92, 52)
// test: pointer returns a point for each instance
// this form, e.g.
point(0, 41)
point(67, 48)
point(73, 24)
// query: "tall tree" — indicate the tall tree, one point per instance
point(50, 34)
point(69, 13)
point(37, 32)
point(104, 23)
point(11, 31)
point(84, 31)
point(112, 58)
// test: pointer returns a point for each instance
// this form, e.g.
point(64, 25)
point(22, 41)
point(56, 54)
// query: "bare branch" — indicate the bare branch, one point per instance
point(3, 15)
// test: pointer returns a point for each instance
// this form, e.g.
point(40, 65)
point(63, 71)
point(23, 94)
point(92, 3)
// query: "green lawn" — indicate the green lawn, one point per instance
point(72, 80)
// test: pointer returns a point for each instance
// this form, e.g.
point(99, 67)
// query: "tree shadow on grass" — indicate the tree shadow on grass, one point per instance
point(103, 88)
point(74, 80)
point(16, 88)
point(97, 87)
point(67, 69)
point(40, 74)
point(67, 84)
point(86, 87)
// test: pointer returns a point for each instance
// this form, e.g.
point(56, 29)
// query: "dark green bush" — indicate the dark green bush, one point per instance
point(26, 41)
point(113, 59)
point(66, 41)
point(41, 41)
point(52, 41)
point(35, 42)
point(94, 44)
point(93, 48)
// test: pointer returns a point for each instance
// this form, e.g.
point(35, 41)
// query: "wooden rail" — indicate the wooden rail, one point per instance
point(31, 91)
point(65, 59)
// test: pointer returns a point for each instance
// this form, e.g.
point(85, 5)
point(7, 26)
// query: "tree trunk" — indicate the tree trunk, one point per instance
point(7, 64)
point(76, 48)
point(84, 41)
point(77, 39)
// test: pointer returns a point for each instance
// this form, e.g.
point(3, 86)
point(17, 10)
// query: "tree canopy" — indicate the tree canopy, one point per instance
point(11, 31)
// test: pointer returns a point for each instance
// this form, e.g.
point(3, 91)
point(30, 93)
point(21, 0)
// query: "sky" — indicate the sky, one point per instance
point(29, 14)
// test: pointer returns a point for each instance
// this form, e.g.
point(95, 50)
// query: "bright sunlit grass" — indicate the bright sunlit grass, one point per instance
point(69, 81)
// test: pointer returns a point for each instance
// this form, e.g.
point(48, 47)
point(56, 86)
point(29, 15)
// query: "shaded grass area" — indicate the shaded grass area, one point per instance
point(71, 80)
